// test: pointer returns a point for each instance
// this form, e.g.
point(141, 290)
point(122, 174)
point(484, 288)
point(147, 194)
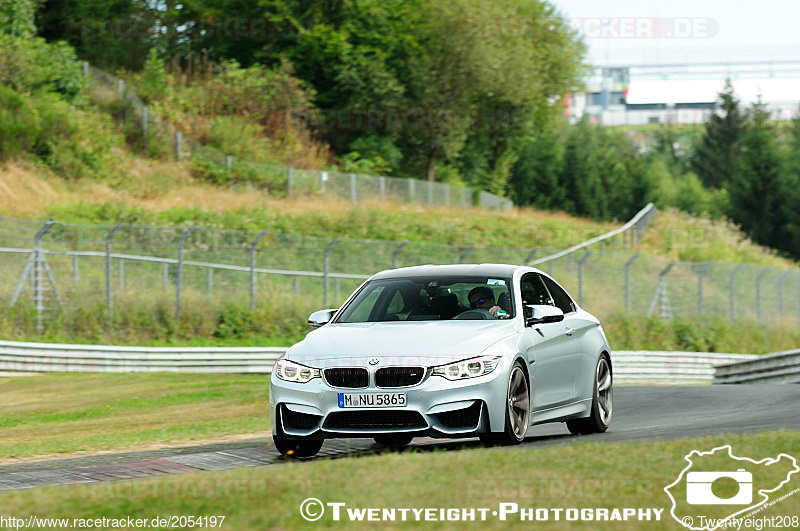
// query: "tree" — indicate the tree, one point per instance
point(17, 18)
point(715, 157)
point(755, 186)
point(535, 177)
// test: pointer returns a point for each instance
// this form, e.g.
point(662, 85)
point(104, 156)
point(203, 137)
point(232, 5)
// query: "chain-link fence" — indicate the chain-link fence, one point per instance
point(52, 268)
point(155, 135)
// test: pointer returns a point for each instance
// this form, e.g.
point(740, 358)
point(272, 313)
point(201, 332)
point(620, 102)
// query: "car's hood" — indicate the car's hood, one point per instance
point(394, 343)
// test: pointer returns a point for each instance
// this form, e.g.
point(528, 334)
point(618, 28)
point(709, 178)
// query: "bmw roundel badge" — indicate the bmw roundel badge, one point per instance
point(374, 361)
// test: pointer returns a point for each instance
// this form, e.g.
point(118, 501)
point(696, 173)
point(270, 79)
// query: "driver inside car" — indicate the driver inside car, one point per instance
point(483, 297)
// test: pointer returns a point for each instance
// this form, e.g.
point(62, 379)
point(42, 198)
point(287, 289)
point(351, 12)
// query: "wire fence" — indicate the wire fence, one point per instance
point(154, 134)
point(54, 268)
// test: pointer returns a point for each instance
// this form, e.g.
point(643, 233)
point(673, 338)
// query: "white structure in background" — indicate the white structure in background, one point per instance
point(685, 93)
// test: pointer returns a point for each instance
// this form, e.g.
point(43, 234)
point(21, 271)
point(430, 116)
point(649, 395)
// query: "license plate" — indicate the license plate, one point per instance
point(372, 399)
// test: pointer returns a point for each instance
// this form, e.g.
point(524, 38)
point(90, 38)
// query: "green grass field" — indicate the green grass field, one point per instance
point(588, 475)
point(72, 413)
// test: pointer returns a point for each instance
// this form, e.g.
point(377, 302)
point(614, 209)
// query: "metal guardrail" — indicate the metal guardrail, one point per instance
point(637, 225)
point(669, 367)
point(780, 367)
point(32, 358)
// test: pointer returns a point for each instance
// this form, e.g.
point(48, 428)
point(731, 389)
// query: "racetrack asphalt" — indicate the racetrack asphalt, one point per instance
point(641, 413)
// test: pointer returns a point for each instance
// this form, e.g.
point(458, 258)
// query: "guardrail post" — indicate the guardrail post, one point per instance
point(465, 254)
point(758, 291)
point(780, 290)
point(580, 276)
point(353, 197)
point(179, 287)
point(733, 290)
point(253, 270)
point(289, 181)
point(109, 295)
point(326, 269)
point(531, 255)
point(397, 252)
point(701, 273)
point(628, 265)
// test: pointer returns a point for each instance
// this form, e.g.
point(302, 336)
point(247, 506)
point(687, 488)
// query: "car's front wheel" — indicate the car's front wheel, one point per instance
point(602, 403)
point(297, 447)
point(518, 407)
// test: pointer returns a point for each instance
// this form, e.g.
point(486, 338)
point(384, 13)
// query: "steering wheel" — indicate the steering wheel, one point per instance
point(475, 314)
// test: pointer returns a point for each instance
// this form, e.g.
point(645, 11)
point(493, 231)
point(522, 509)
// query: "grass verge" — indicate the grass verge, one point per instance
point(72, 413)
point(588, 475)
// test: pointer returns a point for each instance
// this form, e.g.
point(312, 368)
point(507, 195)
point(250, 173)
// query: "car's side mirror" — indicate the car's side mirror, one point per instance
point(543, 313)
point(321, 317)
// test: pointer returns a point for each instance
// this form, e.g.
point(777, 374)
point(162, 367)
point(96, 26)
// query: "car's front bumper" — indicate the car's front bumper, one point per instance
point(436, 407)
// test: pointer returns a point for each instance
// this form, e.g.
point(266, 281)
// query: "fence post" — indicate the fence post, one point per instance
point(447, 194)
point(660, 296)
point(323, 176)
point(289, 183)
point(109, 296)
point(701, 273)
point(164, 275)
point(733, 291)
point(758, 291)
point(121, 273)
point(353, 197)
point(430, 192)
point(179, 288)
point(228, 162)
point(580, 276)
point(74, 270)
point(210, 280)
point(120, 88)
point(326, 270)
point(382, 186)
point(411, 190)
point(296, 284)
point(145, 119)
point(465, 254)
point(397, 252)
point(179, 145)
point(336, 288)
point(531, 255)
point(86, 69)
point(253, 270)
point(780, 291)
point(628, 265)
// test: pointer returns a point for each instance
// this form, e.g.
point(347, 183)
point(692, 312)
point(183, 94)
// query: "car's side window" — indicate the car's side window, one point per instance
point(562, 300)
point(533, 292)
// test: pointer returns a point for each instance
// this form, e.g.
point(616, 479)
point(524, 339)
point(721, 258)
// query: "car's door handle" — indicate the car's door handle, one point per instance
point(570, 331)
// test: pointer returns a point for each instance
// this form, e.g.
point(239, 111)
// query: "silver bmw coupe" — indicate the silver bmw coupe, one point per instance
point(444, 351)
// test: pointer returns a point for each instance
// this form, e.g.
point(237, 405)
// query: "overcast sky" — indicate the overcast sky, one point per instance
point(685, 31)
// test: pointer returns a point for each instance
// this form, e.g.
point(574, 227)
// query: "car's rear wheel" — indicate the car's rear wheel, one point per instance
point(602, 403)
point(297, 447)
point(393, 440)
point(518, 407)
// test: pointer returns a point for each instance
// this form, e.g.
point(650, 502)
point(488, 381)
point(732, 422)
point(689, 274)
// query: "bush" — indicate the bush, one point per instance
point(33, 65)
point(19, 123)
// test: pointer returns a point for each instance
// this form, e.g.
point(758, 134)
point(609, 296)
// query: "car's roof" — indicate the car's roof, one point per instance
point(479, 270)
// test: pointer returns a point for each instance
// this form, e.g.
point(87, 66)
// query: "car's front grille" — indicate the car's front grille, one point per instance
point(399, 376)
point(299, 421)
point(461, 418)
point(347, 377)
point(375, 420)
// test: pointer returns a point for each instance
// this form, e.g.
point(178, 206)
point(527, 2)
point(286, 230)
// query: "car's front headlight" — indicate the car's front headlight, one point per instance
point(294, 372)
point(471, 368)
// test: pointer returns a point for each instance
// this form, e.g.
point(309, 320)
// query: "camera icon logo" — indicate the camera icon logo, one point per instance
point(698, 488)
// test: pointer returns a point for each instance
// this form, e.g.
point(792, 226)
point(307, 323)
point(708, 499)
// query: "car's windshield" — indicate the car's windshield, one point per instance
point(431, 298)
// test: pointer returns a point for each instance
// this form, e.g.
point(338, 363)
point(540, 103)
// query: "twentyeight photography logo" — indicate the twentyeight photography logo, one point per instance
point(717, 488)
